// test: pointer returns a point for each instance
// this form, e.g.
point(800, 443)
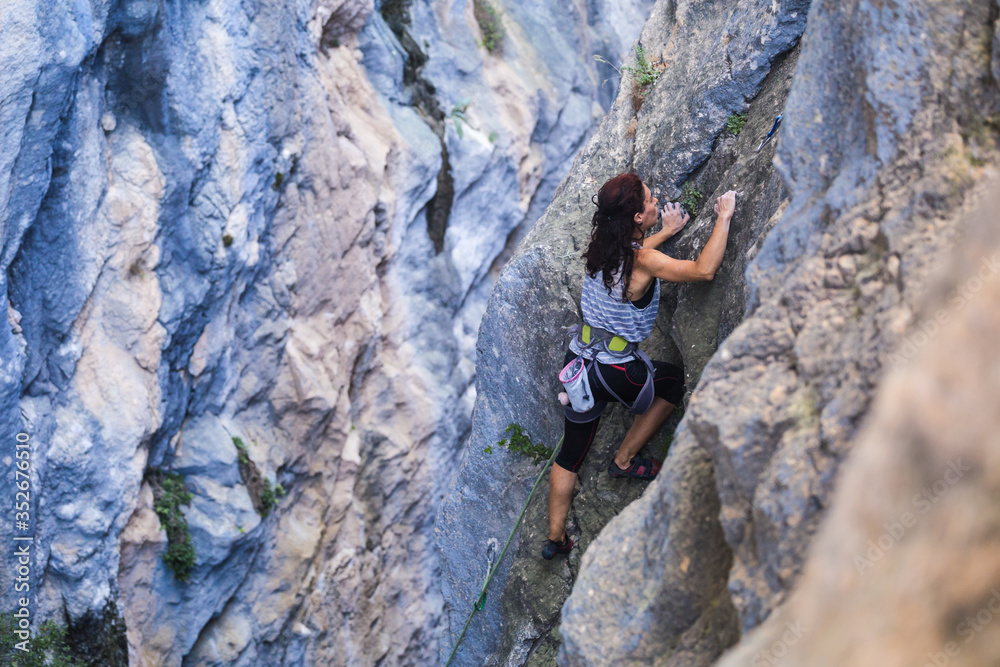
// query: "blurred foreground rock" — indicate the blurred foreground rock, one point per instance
point(905, 569)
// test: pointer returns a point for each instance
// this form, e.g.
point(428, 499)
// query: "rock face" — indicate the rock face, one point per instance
point(280, 222)
point(903, 571)
point(887, 127)
point(249, 219)
point(537, 297)
point(878, 168)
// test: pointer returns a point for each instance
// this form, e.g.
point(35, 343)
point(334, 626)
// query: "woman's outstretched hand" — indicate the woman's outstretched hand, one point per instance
point(674, 218)
point(725, 205)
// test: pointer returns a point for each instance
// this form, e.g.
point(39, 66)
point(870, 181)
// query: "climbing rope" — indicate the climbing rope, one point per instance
point(494, 564)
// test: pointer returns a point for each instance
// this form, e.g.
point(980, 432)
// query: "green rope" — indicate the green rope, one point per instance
point(481, 601)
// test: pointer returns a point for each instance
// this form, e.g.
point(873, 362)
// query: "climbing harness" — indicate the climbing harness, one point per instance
point(770, 135)
point(615, 345)
point(494, 563)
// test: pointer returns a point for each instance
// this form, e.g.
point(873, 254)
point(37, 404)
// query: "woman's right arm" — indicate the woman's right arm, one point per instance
point(702, 269)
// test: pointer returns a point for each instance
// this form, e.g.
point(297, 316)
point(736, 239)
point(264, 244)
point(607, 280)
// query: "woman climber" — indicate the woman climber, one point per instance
point(621, 295)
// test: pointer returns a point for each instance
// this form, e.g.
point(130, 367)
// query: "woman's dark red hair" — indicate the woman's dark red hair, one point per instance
point(613, 228)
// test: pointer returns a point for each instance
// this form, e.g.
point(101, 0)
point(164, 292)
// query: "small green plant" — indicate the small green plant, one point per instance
point(259, 487)
point(644, 73)
point(490, 23)
point(520, 443)
point(241, 450)
point(180, 552)
point(691, 199)
point(457, 115)
point(48, 646)
point(263, 496)
point(227, 240)
point(735, 123)
point(267, 498)
point(493, 137)
point(279, 178)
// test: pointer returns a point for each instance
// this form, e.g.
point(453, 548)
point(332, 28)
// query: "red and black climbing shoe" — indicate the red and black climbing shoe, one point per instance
point(641, 468)
point(551, 548)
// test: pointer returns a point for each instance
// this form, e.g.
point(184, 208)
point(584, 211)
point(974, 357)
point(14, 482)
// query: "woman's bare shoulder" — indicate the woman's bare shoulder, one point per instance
point(644, 256)
point(642, 267)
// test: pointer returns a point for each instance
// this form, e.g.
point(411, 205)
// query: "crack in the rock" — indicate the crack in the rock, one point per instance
point(255, 550)
point(438, 210)
point(542, 637)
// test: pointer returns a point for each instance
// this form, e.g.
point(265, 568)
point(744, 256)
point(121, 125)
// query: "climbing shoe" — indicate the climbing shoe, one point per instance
point(641, 468)
point(550, 548)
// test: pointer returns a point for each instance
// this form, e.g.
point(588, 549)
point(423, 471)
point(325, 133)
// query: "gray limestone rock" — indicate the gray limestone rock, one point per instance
point(520, 345)
point(214, 221)
point(877, 152)
point(877, 167)
point(651, 589)
point(669, 604)
point(902, 569)
point(283, 221)
point(716, 54)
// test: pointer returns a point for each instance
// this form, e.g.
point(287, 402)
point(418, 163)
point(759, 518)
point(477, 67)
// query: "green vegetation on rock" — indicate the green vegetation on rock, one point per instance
point(262, 494)
point(804, 406)
point(520, 443)
point(98, 637)
point(691, 199)
point(488, 17)
point(735, 123)
point(269, 496)
point(643, 72)
point(457, 115)
point(170, 493)
point(47, 647)
point(241, 450)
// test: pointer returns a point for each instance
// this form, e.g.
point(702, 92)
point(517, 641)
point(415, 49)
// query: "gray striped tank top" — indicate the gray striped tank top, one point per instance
point(609, 312)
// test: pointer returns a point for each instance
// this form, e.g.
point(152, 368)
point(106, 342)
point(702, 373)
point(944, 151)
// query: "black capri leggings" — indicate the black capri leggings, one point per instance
point(626, 380)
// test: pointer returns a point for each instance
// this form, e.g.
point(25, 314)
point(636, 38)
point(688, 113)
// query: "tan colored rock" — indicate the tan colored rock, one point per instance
point(143, 543)
point(118, 330)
